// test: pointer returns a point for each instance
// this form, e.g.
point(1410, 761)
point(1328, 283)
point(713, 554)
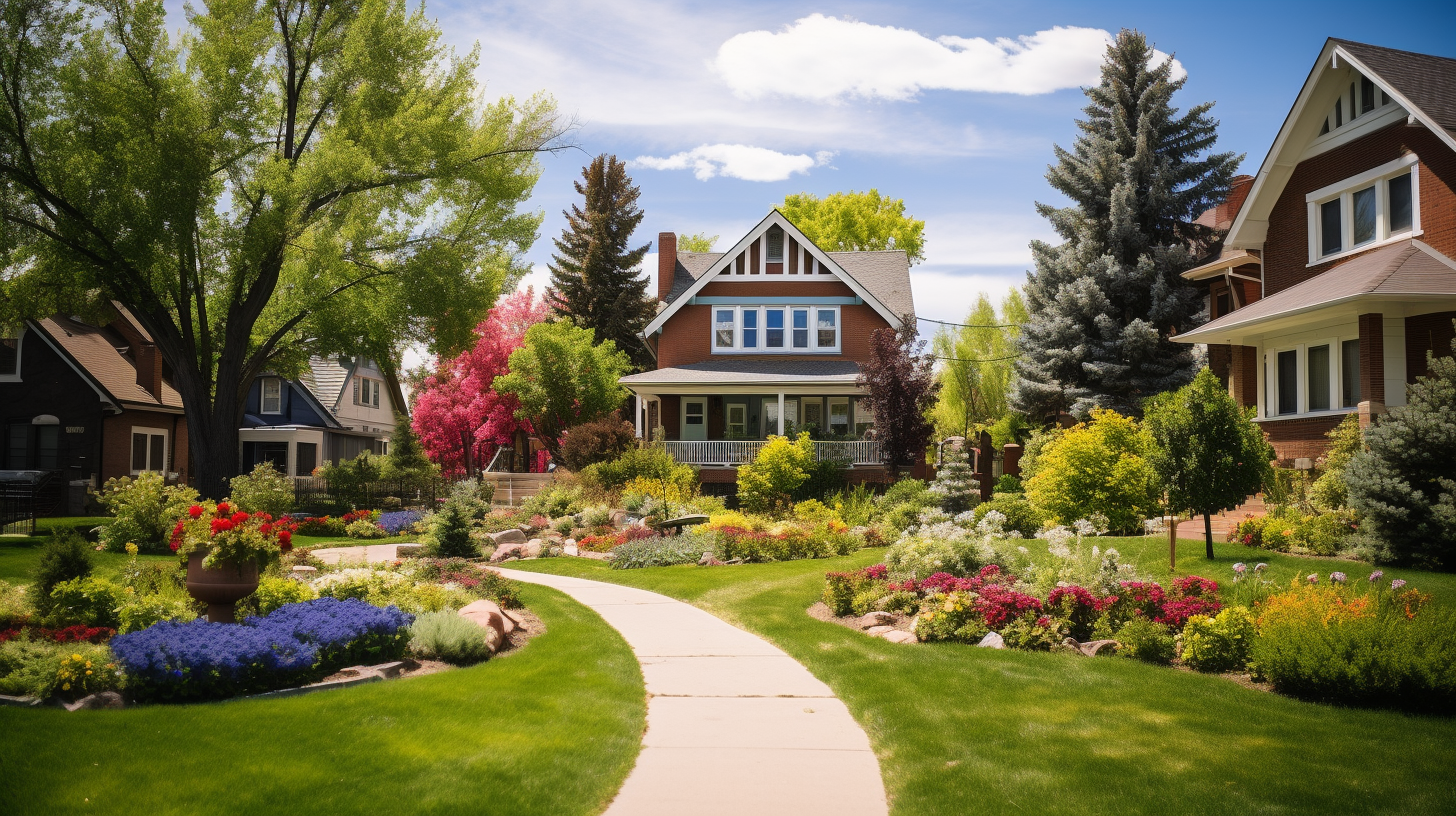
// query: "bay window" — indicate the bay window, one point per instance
point(1312, 378)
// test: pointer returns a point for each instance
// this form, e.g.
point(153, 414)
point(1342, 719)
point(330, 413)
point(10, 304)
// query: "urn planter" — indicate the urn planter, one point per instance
point(220, 587)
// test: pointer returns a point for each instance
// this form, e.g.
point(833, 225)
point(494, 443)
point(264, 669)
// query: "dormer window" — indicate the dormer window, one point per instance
point(366, 392)
point(775, 241)
point(272, 396)
point(1364, 211)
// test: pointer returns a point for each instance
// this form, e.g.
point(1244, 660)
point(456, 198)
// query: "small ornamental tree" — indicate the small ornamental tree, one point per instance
point(1206, 450)
point(1404, 483)
point(955, 483)
point(1096, 467)
point(900, 386)
point(767, 484)
point(599, 441)
point(562, 379)
point(449, 535)
point(458, 414)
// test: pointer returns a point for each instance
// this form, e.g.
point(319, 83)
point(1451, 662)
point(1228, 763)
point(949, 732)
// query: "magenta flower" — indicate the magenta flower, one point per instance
point(1376, 576)
point(1240, 568)
point(1313, 579)
point(1397, 583)
point(1337, 577)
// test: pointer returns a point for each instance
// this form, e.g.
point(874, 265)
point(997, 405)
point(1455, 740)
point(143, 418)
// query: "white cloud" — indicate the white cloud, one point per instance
point(944, 295)
point(737, 161)
point(827, 59)
point(983, 239)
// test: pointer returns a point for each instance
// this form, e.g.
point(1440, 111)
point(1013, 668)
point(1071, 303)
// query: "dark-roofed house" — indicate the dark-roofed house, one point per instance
point(88, 402)
point(1336, 278)
point(764, 339)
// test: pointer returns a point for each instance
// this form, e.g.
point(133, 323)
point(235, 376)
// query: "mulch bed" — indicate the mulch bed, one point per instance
point(820, 611)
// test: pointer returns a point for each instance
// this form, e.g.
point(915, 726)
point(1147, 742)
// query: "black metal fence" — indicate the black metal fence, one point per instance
point(317, 496)
point(26, 495)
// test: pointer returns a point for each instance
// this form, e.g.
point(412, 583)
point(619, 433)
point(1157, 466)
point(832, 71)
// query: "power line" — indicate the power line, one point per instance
point(973, 362)
point(972, 326)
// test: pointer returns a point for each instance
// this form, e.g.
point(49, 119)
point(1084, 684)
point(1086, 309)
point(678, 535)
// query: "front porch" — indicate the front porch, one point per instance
point(734, 452)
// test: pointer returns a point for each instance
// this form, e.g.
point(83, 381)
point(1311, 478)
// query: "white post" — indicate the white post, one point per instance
point(637, 399)
point(781, 429)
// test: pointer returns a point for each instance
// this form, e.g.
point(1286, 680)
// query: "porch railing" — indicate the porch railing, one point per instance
point(732, 453)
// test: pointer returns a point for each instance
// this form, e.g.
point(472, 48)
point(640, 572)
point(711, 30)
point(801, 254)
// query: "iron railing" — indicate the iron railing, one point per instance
point(316, 496)
point(26, 495)
point(731, 453)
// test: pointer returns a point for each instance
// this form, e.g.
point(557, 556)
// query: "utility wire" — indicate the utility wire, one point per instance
point(972, 326)
point(973, 362)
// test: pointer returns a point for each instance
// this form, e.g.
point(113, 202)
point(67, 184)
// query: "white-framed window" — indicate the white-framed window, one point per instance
point(771, 425)
point(776, 329)
point(695, 412)
point(148, 450)
point(1318, 377)
point(839, 416)
point(1364, 211)
point(366, 392)
point(864, 417)
point(272, 395)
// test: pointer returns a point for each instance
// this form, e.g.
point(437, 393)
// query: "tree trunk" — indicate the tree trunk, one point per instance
point(212, 432)
point(1208, 536)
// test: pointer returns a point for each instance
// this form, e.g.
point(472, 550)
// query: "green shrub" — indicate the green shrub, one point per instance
point(447, 636)
point(1221, 643)
point(1097, 467)
point(926, 552)
point(651, 462)
point(663, 551)
point(364, 528)
point(839, 591)
point(42, 669)
point(1034, 633)
point(14, 611)
point(273, 593)
point(1006, 483)
point(955, 483)
point(600, 441)
point(855, 505)
point(1021, 515)
point(901, 505)
point(264, 490)
point(64, 556)
point(449, 533)
point(1146, 640)
point(144, 510)
point(1328, 491)
point(138, 611)
point(767, 484)
point(901, 601)
point(950, 617)
point(596, 516)
point(554, 500)
point(84, 602)
point(868, 599)
point(824, 480)
point(1036, 445)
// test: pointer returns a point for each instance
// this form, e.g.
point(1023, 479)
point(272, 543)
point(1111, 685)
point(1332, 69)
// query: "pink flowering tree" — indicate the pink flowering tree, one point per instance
point(460, 419)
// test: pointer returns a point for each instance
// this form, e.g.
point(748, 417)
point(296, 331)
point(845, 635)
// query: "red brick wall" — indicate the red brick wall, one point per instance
point(672, 416)
point(1286, 249)
point(1244, 375)
point(686, 337)
point(1426, 333)
point(1300, 438)
point(116, 442)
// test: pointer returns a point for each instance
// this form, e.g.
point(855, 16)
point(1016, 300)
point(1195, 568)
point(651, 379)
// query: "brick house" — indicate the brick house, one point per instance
point(762, 339)
point(1336, 278)
point(90, 402)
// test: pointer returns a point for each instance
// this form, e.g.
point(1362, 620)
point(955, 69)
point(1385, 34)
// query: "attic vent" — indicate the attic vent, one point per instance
point(775, 246)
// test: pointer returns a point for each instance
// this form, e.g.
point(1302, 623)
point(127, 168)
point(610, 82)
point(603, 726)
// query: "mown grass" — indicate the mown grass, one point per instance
point(963, 730)
point(552, 730)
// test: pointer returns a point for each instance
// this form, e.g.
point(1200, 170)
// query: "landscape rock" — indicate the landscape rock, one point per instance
point(19, 702)
point(533, 548)
point(1071, 643)
point(876, 619)
point(305, 572)
point(733, 562)
point(505, 551)
point(511, 536)
point(900, 636)
point(569, 548)
point(491, 612)
point(409, 550)
point(1092, 648)
point(101, 699)
point(877, 631)
point(993, 640)
point(706, 559)
point(389, 670)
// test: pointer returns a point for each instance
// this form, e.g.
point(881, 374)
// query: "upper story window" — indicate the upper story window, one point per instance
point(272, 396)
point(366, 392)
point(1375, 207)
point(775, 241)
point(776, 329)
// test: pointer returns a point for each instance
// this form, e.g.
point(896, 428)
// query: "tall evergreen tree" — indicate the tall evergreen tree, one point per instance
point(594, 278)
point(1105, 302)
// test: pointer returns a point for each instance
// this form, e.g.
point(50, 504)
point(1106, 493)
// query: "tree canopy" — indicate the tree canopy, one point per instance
point(845, 222)
point(563, 378)
point(977, 365)
point(900, 387)
point(1105, 302)
point(696, 242)
point(289, 178)
point(594, 275)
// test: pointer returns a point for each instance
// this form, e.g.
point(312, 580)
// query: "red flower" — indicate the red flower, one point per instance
point(175, 545)
point(240, 517)
point(285, 540)
point(1043, 621)
point(223, 508)
point(194, 511)
point(265, 528)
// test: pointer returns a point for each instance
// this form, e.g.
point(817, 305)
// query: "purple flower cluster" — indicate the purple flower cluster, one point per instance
point(296, 644)
point(400, 521)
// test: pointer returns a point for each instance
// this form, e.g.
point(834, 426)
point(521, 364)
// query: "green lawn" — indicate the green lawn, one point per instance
point(551, 730)
point(961, 730)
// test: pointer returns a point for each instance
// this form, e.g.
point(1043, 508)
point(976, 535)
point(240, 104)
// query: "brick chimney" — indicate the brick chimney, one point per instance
point(666, 263)
point(149, 369)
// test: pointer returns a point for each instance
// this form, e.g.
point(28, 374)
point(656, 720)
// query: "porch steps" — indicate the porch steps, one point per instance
point(513, 488)
point(1228, 519)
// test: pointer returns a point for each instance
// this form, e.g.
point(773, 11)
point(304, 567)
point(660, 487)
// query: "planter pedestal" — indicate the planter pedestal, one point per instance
point(220, 587)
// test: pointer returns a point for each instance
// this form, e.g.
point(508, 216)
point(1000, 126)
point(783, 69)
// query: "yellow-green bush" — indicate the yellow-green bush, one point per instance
point(1096, 467)
point(767, 484)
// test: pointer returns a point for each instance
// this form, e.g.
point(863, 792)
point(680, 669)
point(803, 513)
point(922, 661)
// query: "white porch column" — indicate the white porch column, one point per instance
point(637, 415)
point(781, 431)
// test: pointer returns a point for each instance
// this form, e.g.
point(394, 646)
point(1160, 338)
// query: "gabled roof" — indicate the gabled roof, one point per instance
point(94, 355)
point(1404, 269)
point(880, 278)
point(325, 378)
point(1424, 86)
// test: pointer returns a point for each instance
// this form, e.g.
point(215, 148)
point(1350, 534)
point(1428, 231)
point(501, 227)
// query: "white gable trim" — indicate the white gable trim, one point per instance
point(1279, 164)
point(820, 256)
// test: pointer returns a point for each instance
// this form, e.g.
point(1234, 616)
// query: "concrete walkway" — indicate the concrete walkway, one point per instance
point(357, 555)
point(734, 725)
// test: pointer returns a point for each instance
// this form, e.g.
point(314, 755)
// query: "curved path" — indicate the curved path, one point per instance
point(734, 725)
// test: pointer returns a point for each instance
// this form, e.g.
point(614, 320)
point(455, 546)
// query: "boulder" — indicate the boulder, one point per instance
point(1092, 648)
point(900, 636)
point(706, 559)
point(992, 640)
point(488, 615)
point(619, 518)
point(389, 671)
point(505, 551)
point(511, 536)
point(878, 631)
point(876, 619)
point(533, 548)
point(101, 699)
point(569, 548)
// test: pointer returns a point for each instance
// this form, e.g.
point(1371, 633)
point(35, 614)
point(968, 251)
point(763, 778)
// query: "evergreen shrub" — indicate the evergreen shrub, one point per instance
point(63, 557)
point(446, 636)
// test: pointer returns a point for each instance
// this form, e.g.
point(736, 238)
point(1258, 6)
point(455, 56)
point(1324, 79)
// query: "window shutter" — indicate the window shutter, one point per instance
point(356, 392)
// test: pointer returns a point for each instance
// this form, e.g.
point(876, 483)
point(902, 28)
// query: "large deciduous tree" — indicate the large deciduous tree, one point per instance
point(1206, 451)
point(900, 386)
point(856, 222)
point(292, 177)
point(563, 378)
point(460, 417)
point(594, 275)
point(1105, 302)
point(977, 365)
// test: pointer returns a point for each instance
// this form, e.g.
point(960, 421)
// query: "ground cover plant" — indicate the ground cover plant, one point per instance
point(998, 729)
point(560, 732)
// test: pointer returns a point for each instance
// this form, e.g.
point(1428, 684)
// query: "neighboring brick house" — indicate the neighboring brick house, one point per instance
point(90, 402)
point(773, 329)
point(1336, 278)
point(337, 409)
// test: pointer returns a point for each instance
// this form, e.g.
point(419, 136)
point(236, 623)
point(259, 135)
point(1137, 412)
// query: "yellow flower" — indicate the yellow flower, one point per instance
point(88, 671)
point(131, 549)
point(66, 687)
point(75, 657)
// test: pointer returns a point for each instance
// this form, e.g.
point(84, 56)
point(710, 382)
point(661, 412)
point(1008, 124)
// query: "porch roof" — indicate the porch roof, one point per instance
point(766, 373)
point(1407, 270)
